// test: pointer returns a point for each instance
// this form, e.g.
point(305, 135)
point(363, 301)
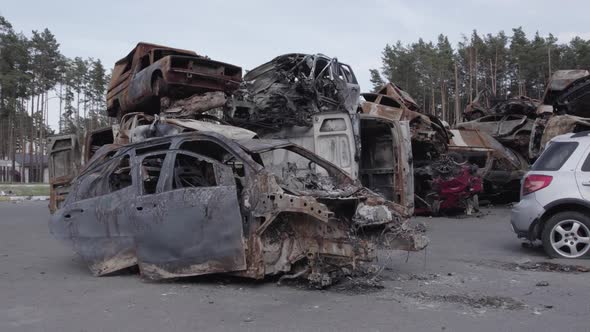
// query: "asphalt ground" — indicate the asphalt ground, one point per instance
point(474, 276)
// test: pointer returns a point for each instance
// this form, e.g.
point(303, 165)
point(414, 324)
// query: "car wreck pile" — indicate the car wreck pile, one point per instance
point(523, 126)
point(181, 192)
point(288, 171)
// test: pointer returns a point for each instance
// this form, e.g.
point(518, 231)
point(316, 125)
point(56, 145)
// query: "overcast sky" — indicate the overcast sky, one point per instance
point(249, 33)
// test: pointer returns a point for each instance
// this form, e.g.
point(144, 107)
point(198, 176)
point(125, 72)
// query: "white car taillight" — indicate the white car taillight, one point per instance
point(535, 182)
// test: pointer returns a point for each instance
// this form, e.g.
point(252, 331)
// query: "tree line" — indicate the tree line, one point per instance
point(443, 79)
point(32, 72)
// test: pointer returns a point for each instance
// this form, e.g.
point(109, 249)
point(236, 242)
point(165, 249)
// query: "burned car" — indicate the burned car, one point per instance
point(480, 106)
point(290, 89)
point(567, 96)
point(440, 183)
point(557, 125)
point(512, 130)
point(200, 203)
point(500, 167)
point(400, 95)
point(150, 72)
point(559, 84)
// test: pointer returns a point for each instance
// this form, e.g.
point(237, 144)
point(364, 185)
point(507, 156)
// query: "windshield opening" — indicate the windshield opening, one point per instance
point(298, 173)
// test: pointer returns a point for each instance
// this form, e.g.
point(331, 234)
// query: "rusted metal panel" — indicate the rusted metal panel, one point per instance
point(512, 130)
point(188, 232)
point(398, 93)
point(64, 163)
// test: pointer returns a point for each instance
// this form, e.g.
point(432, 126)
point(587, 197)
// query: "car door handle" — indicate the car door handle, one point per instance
point(586, 183)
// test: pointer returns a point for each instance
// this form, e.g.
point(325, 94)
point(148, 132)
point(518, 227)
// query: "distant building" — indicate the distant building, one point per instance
point(25, 171)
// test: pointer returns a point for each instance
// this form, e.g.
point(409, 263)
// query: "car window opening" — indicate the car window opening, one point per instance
point(121, 176)
point(190, 172)
point(151, 168)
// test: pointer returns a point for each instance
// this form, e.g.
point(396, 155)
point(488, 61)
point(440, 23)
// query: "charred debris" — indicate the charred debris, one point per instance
point(525, 125)
point(288, 170)
point(178, 190)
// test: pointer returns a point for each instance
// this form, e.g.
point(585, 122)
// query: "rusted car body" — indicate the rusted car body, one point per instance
point(519, 105)
point(567, 95)
point(150, 72)
point(575, 98)
point(500, 167)
point(375, 150)
point(312, 101)
point(196, 203)
point(558, 84)
point(137, 127)
point(561, 124)
point(290, 89)
point(66, 155)
point(439, 182)
point(480, 106)
point(512, 130)
point(400, 95)
point(429, 135)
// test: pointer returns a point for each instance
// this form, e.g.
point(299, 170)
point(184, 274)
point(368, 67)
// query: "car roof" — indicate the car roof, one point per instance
point(583, 137)
point(252, 145)
point(262, 145)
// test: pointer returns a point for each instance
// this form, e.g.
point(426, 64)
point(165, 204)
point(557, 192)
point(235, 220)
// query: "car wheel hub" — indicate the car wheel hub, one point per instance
point(570, 238)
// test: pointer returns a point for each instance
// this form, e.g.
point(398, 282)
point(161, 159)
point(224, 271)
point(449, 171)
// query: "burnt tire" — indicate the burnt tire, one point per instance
point(567, 235)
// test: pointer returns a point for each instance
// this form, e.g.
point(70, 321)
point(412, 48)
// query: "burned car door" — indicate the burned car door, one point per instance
point(94, 219)
point(64, 163)
point(189, 216)
point(334, 141)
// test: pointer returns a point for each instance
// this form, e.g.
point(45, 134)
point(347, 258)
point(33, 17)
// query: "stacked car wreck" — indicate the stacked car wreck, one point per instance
point(441, 181)
point(288, 171)
point(180, 192)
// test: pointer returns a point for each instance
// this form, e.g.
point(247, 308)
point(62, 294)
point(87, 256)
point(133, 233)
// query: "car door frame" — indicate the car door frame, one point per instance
point(97, 227)
point(169, 214)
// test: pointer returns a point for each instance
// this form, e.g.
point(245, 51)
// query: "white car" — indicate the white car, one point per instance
point(555, 198)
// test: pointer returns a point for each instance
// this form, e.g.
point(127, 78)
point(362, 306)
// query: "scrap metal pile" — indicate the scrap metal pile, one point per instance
point(199, 203)
point(178, 191)
point(286, 171)
point(441, 180)
point(565, 108)
point(290, 89)
point(524, 125)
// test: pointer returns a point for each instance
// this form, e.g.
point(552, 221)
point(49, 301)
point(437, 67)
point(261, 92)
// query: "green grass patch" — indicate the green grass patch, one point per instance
point(35, 189)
